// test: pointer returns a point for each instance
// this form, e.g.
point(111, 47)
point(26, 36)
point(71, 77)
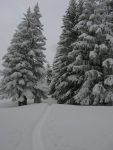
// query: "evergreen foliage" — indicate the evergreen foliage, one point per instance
point(48, 74)
point(85, 75)
point(64, 46)
point(24, 61)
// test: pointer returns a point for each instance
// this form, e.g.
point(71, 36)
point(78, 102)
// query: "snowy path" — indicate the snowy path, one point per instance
point(27, 141)
point(50, 101)
point(37, 133)
point(26, 125)
point(17, 125)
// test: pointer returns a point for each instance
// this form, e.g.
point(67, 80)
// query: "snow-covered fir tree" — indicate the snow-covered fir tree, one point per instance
point(24, 62)
point(69, 79)
point(48, 74)
point(67, 37)
point(55, 72)
point(37, 51)
point(84, 71)
point(82, 47)
point(99, 48)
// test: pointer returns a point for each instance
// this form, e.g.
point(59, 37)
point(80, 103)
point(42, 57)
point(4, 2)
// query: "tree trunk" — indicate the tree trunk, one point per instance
point(25, 101)
point(37, 100)
point(19, 103)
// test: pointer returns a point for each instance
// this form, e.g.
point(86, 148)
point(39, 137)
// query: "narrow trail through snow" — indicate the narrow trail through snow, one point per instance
point(37, 133)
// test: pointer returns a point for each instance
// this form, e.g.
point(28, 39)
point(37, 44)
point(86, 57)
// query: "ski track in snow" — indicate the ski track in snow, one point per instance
point(26, 142)
point(37, 133)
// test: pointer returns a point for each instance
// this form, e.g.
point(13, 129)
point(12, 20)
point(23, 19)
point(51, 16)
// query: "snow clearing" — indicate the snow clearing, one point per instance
point(55, 127)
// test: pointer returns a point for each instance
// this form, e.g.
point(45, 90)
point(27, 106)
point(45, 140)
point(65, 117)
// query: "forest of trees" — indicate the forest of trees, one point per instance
point(83, 65)
point(82, 71)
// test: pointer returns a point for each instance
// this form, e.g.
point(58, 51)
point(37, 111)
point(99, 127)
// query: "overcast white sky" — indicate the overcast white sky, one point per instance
point(11, 13)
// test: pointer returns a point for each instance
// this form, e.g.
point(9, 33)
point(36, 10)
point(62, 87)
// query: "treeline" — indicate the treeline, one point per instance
point(82, 72)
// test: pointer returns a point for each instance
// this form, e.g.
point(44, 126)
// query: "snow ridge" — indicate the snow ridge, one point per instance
point(37, 133)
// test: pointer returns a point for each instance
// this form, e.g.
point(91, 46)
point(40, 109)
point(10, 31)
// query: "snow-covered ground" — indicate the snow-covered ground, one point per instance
point(78, 128)
point(50, 101)
point(55, 127)
point(17, 125)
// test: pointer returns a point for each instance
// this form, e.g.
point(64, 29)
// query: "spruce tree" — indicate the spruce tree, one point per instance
point(82, 47)
point(97, 50)
point(55, 72)
point(48, 74)
point(38, 46)
point(105, 53)
point(70, 77)
point(64, 47)
point(23, 63)
point(82, 70)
